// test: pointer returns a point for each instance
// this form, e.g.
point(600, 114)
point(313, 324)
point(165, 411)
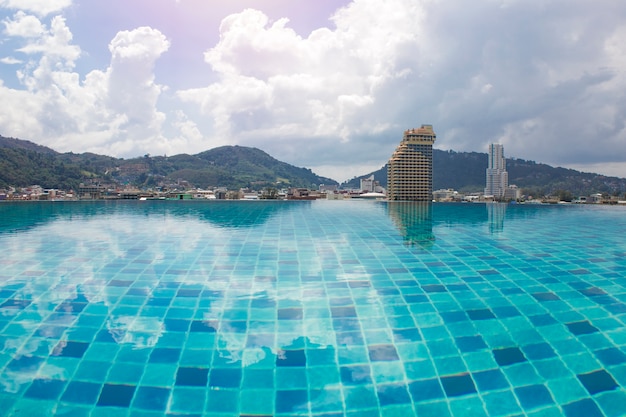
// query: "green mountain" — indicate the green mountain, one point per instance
point(233, 167)
point(23, 163)
point(12, 143)
point(465, 171)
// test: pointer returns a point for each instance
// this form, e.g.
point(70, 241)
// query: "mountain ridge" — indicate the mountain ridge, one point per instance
point(13, 143)
point(466, 172)
point(24, 163)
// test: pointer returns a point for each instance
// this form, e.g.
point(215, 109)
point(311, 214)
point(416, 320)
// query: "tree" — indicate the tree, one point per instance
point(269, 193)
point(565, 195)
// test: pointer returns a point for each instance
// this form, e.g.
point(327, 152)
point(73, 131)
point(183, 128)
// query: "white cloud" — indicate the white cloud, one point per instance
point(119, 106)
point(23, 25)
point(187, 132)
point(546, 80)
point(20, 119)
point(39, 7)
point(535, 77)
point(9, 60)
point(131, 88)
point(307, 92)
point(554, 91)
point(112, 112)
point(55, 47)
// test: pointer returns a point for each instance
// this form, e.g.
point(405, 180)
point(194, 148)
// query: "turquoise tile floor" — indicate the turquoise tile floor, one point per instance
point(324, 308)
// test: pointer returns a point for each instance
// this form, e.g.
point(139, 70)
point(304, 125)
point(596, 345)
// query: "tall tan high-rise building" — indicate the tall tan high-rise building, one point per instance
point(410, 168)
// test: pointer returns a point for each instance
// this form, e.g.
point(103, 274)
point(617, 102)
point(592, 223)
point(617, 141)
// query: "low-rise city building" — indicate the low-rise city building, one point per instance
point(447, 195)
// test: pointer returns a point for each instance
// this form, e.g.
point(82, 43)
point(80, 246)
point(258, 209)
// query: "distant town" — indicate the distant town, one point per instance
point(409, 178)
point(369, 189)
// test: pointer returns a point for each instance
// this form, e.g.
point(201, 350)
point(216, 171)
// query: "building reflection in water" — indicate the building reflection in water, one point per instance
point(495, 215)
point(414, 220)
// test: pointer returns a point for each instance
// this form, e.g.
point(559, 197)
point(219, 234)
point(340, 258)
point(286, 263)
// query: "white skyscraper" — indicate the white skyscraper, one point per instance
point(367, 184)
point(497, 177)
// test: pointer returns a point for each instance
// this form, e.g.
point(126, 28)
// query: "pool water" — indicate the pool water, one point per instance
point(318, 308)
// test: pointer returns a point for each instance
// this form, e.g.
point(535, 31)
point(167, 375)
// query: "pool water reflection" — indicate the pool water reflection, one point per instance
point(312, 308)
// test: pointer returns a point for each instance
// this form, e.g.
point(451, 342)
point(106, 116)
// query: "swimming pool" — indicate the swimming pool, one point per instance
point(319, 308)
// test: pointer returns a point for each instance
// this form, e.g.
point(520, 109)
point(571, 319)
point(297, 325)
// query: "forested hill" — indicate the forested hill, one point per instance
point(12, 143)
point(465, 171)
point(233, 167)
point(23, 163)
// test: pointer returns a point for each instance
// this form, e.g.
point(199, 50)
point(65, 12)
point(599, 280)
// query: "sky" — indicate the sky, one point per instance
point(328, 85)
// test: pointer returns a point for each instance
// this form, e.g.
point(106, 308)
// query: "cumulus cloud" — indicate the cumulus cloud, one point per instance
point(56, 42)
point(131, 87)
point(552, 85)
point(116, 110)
point(112, 111)
point(546, 80)
point(9, 60)
point(39, 7)
point(288, 92)
point(23, 25)
point(50, 54)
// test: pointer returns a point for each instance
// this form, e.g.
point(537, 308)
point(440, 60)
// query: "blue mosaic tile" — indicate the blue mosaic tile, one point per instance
point(25, 364)
point(186, 401)
point(582, 408)
point(611, 356)
point(489, 380)
point(481, 314)
point(454, 316)
point(522, 374)
point(291, 401)
point(360, 397)
point(383, 353)
point(81, 392)
point(15, 304)
point(597, 381)
point(581, 328)
point(470, 343)
point(434, 288)
point(456, 385)
point(392, 394)
point(177, 325)
point(356, 374)
point(426, 390)
point(539, 351)
point(508, 356)
point(222, 401)
point(506, 312)
point(501, 404)
point(164, 355)
point(45, 389)
point(291, 358)
point(316, 309)
point(542, 320)
point(224, 378)
point(116, 395)
point(289, 378)
point(611, 402)
point(533, 396)
point(192, 377)
point(593, 291)
point(407, 335)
